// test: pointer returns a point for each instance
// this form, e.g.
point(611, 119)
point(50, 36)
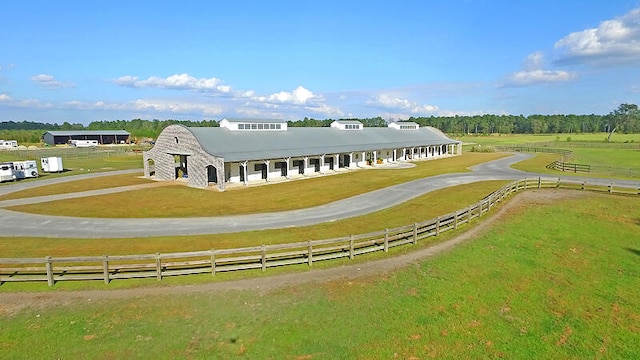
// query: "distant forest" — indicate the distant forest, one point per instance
point(625, 119)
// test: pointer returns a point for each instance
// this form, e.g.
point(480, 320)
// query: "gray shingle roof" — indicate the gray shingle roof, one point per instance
point(256, 145)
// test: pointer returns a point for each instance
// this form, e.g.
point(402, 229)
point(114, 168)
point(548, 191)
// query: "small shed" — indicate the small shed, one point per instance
point(104, 137)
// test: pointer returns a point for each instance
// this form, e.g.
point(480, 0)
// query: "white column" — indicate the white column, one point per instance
point(288, 161)
point(246, 175)
point(374, 161)
point(306, 164)
point(267, 162)
point(336, 164)
point(322, 164)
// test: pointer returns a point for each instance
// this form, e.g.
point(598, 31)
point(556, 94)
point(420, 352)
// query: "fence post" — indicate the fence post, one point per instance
point(158, 267)
point(480, 208)
point(213, 262)
point(438, 226)
point(539, 182)
point(610, 188)
point(264, 257)
point(525, 184)
point(386, 239)
point(468, 214)
point(455, 219)
point(310, 250)
point(351, 247)
point(415, 233)
point(105, 268)
point(49, 267)
point(558, 183)
point(584, 183)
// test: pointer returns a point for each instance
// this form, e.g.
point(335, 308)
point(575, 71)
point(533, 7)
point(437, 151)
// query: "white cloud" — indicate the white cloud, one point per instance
point(400, 104)
point(49, 82)
point(176, 82)
point(300, 101)
point(298, 96)
point(533, 73)
point(5, 98)
point(176, 107)
point(612, 42)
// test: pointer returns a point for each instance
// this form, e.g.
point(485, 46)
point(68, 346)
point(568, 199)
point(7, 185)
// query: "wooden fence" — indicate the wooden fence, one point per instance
point(534, 149)
point(109, 267)
point(569, 167)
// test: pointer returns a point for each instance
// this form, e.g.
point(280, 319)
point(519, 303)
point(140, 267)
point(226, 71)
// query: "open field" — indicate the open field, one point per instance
point(180, 201)
point(84, 165)
point(518, 139)
point(620, 159)
point(421, 208)
point(79, 186)
point(550, 280)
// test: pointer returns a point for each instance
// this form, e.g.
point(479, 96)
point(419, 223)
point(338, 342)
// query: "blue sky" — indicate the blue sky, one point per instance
point(83, 61)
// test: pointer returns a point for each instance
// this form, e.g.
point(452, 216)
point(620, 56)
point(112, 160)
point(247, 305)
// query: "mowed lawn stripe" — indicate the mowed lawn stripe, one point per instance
point(181, 201)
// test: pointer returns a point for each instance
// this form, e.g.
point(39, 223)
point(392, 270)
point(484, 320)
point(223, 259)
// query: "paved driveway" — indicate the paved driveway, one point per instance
point(22, 224)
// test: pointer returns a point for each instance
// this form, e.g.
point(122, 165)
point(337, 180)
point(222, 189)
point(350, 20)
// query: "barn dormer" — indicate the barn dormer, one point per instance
point(347, 125)
point(253, 124)
point(404, 125)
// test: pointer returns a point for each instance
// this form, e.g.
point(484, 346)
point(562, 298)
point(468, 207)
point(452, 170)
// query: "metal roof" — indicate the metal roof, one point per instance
point(256, 145)
point(87, 132)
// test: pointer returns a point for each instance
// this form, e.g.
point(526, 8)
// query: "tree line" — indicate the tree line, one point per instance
point(624, 119)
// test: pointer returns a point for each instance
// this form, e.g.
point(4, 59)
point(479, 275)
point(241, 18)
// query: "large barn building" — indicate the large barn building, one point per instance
point(248, 150)
point(103, 137)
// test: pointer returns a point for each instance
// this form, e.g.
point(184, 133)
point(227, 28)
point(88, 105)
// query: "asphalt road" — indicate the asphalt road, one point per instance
point(16, 224)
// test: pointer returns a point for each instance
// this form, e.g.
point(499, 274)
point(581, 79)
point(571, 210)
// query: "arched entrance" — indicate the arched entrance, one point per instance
point(212, 174)
point(152, 167)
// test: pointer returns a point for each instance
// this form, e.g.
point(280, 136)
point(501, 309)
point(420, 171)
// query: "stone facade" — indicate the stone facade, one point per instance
point(178, 142)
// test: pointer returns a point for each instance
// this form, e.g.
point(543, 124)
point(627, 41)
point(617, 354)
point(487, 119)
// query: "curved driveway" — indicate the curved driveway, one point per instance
point(22, 225)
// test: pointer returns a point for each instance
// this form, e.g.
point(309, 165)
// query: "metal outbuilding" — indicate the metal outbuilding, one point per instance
point(104, 137)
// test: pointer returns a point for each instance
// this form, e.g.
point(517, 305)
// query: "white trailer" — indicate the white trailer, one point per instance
point(83, 143)
point(8, 144)
point(51, 164)
point(7, 172)
point(26, 169)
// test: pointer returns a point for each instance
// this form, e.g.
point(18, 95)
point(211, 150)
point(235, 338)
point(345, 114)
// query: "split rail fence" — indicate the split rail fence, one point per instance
point(569, 167)
point(110, 267)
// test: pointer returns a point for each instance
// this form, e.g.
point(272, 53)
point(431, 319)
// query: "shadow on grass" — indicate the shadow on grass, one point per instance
point(635, 251)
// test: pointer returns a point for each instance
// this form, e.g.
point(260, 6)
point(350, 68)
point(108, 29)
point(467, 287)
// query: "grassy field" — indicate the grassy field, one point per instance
point(424, 207)
point(181, 201)
point(78, 166)
point(103, 182)
point(517, 139)
point(550, 281)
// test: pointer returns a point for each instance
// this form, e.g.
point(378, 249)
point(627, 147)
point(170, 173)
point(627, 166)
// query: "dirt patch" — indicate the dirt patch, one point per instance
point(12, 302)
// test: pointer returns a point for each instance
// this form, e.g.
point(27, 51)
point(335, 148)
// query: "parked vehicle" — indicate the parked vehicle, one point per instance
point(8, 144)
point(83, 143)
point(7, 172)
point(51, 164)
point(26, 169)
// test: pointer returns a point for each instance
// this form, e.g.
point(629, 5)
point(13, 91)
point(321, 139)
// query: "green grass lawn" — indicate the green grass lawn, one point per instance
point(102, 182)
point(181, 201)
point(428, 206)
point(78, 166)
point(556, 281)
point(610, 157)
point(517, 139)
